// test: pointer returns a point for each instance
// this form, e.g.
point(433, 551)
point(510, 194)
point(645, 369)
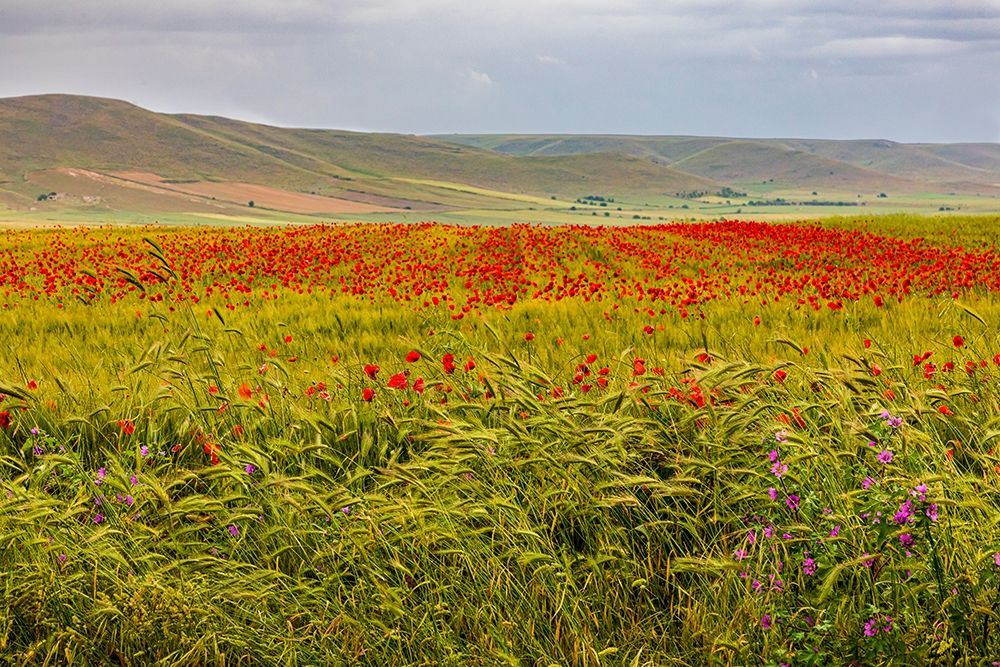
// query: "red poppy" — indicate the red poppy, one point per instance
point(398, 381)
point(413, 356)
point(958, 341)
point(368, 394)
point(245, 391)
point(371, 370)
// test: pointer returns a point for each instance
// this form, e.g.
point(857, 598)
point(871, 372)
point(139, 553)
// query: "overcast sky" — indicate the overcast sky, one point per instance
point(908, 70)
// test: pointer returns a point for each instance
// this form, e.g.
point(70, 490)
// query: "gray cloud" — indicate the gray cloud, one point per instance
point(817, 68)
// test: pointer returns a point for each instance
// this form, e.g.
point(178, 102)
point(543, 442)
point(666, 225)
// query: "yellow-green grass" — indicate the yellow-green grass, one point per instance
point(602, 527)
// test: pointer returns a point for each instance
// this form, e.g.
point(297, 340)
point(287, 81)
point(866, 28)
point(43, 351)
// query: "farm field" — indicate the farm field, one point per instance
point(729, 442)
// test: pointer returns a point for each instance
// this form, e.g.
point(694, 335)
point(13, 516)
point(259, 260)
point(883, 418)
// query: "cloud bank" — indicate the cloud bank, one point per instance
point(809, 68)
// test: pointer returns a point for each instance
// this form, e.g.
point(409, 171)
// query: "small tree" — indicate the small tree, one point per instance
point(250, 203)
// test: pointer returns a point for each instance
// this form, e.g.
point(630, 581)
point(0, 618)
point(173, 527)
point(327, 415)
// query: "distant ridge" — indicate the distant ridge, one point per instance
point(802, 163)
point(108, 136)
point(108, 153)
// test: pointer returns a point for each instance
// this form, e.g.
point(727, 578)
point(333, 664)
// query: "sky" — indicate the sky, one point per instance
point(904, 70)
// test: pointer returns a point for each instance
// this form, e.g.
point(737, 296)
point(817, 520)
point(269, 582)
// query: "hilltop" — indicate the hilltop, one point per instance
point(848, 164)
point(70, 158)
point(127, 146)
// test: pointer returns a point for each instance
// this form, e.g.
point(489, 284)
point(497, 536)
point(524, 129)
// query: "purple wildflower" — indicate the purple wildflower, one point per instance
point(144, 450)
point(98, 518)
point(891, 420)
point(835, 531)
point(133, 480)
point(765, 621)
point(867, 482)
point(233, 529)
point(932, 512)
point(906, 540)
point(792, 501)
point(885, 457)
point(996, 559)
point(809, 567)
point(101, 474)
point(250, 469)
point(772, 493)
point(905, 513)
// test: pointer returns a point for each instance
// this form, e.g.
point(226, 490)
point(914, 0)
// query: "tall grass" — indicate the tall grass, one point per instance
point(761, 505)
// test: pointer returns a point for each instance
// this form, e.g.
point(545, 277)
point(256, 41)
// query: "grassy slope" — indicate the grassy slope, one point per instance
point(109, 135)
point(496, 178)
point(868, 164)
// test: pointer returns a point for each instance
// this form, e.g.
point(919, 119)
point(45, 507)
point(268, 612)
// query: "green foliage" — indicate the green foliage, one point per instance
point(490, 520)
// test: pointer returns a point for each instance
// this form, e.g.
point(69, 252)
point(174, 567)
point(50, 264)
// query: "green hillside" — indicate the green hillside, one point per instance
point(863, 165)
point(110, 136)
point(70, 159)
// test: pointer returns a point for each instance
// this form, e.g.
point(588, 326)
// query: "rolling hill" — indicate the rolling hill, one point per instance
point(389, 171)
point(845, 165)
point(96, 154)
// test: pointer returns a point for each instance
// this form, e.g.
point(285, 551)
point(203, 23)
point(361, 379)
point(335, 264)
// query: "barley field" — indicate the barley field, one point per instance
point(383, 444)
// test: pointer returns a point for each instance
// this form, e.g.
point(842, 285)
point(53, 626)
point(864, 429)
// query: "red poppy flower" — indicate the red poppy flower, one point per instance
point(368, 394)
point(398, 381)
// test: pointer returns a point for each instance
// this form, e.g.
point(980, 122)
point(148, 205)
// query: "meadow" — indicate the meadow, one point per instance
point(691, 443)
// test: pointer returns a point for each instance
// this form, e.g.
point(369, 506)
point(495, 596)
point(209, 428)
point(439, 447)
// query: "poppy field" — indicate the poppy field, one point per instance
point(691, 443)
